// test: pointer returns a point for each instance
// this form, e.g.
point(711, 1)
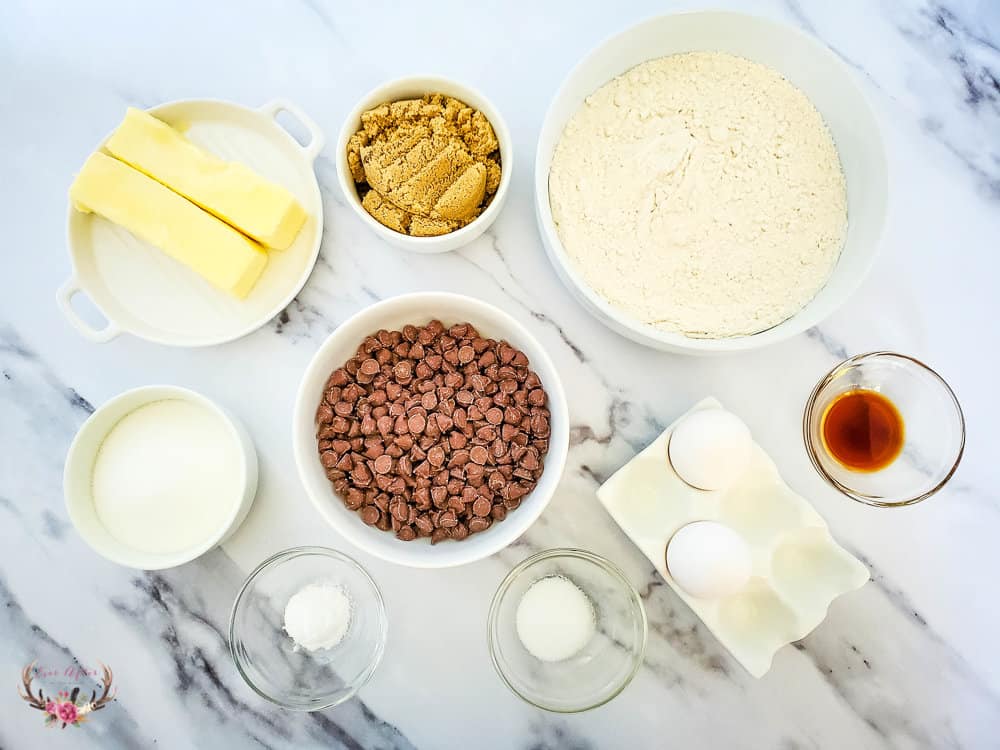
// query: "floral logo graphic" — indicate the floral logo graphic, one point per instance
point(66, 707)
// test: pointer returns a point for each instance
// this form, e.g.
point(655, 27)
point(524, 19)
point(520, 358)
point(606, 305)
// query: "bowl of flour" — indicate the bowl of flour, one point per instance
point(710, 182)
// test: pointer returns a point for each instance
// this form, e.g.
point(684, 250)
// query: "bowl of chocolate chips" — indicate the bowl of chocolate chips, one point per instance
point(431, 429)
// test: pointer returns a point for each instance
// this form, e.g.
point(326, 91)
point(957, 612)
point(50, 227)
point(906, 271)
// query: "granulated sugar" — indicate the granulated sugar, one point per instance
point(167, 477)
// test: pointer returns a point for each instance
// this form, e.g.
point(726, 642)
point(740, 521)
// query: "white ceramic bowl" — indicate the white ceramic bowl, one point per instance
point(807, 64)
point(78, 472)
point(142, 291)
point(413, 87)
point(341, 345)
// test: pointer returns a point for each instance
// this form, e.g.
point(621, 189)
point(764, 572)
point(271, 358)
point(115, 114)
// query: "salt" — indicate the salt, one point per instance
point(318, 616)
point(555, 619)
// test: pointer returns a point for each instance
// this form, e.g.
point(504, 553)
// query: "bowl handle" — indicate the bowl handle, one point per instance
point(312, 148)
point(65, 296)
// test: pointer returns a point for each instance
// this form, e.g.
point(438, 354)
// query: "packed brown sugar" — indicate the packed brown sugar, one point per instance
point(425, 167)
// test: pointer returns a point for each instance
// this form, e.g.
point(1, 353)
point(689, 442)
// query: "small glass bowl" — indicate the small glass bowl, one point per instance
point(598, 672)
point(266, 656)
point(934, 429)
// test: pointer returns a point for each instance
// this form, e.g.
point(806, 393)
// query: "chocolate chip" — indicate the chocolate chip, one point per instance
point(474, 474)
point(433, 432)
point(354, 498)
point(424, 524)
point(478, 524)
point(383, 464)
point(416, 424)
point(440, 534)
point(539, 426)
point(406, 533)
point(517, 491)
point(436, 455)
point(403, 371)
point(323, 413)
point(361, 475)
point(459, 458)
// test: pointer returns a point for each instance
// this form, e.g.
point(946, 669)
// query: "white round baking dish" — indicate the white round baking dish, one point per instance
point(79, 467)
point(341, 345)
point(413, 87)
point(142, 291)
point(806, 63)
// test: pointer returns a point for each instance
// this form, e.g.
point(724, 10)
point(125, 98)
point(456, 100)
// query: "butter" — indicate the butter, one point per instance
point(156, 214)
point(236, 194)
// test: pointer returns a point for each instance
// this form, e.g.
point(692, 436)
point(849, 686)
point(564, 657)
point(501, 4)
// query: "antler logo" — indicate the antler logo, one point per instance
point(65, 707)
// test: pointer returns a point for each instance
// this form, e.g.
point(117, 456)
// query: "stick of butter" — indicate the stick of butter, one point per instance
point(236, 194)
point(156, 214)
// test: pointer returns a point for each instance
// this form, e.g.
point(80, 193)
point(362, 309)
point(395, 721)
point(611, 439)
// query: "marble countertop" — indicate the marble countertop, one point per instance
point(910, 661)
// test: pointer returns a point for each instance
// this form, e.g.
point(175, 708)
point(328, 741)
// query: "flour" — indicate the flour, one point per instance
point(700, 193)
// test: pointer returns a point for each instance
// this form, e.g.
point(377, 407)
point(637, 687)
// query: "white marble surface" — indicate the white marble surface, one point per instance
point(910, 661)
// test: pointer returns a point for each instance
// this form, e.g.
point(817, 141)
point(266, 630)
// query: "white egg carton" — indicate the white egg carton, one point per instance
point(798, 569)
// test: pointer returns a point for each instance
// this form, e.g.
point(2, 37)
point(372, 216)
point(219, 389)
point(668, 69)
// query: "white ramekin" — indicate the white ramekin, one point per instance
point(342, 344)
point(78, 473)
point(413, 87)
point(810, 66)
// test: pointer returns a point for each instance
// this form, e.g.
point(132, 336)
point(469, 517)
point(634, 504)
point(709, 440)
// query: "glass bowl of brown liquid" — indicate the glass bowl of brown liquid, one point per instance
point(884, 429)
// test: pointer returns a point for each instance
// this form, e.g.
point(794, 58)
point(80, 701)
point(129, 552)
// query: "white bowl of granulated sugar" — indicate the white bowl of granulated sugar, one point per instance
point(157, 476)
point(710, 182)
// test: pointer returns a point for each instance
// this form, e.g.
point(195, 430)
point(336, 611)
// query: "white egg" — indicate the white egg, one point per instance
point(710, 449)
point(708, 560)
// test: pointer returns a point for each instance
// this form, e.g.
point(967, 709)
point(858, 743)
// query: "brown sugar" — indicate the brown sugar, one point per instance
point(425, 167)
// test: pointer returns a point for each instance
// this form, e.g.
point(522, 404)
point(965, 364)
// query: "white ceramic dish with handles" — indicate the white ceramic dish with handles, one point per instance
point(806, 63)
point(78, 476)
point(341, 345)
point(140, 290)
point(413, 87)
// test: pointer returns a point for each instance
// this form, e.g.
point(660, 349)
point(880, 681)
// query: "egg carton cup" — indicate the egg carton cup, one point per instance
point(797, 567)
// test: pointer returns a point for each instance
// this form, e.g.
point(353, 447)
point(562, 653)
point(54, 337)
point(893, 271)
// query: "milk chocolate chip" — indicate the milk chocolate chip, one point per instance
point(433, 432)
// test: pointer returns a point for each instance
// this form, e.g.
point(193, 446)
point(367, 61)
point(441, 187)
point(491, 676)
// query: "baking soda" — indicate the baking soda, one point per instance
point(318, 616)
